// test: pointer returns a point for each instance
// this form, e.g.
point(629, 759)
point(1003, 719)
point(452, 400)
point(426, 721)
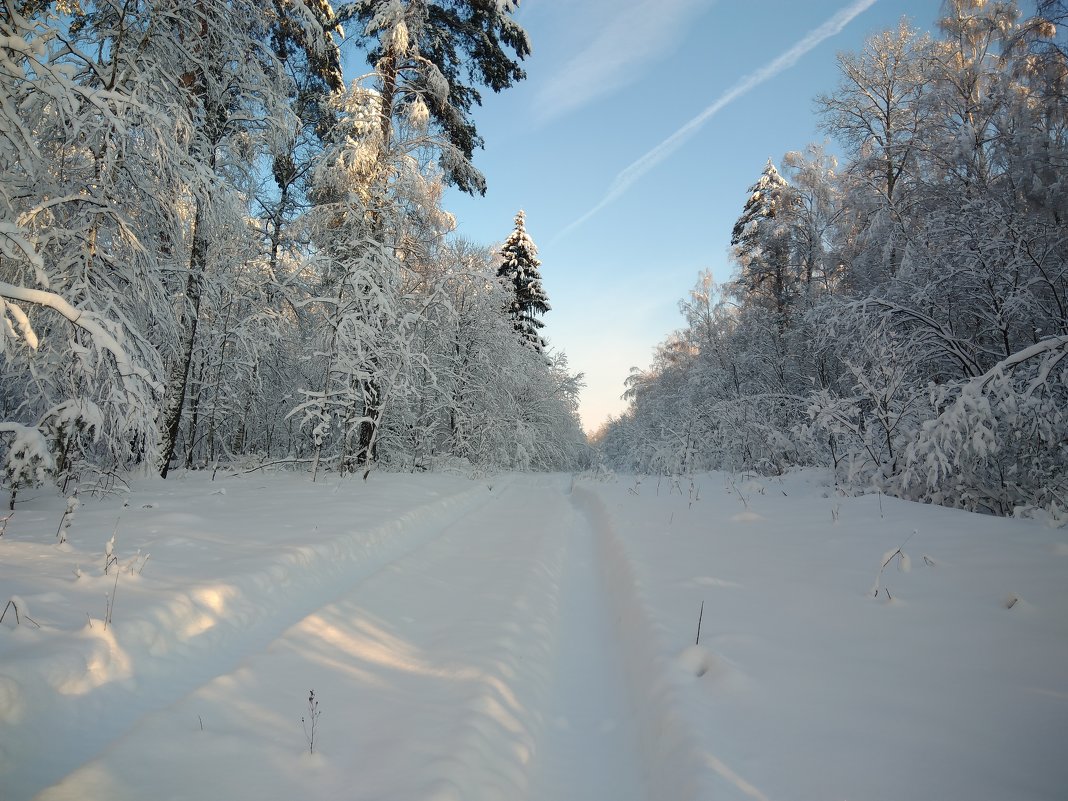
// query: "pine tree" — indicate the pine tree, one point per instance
point(431, 57)
point(762, 244)
point(519, 268)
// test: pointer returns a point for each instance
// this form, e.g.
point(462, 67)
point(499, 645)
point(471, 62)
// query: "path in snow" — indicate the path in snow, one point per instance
point(589, 749)
point(482, 665)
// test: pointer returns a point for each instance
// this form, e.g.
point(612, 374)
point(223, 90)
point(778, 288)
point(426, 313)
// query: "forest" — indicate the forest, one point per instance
point(348, 538)
point(901, 314)
point(213, 249)
point(216, 251)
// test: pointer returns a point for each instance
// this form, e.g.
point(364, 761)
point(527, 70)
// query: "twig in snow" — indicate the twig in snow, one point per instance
point(68, 517)
point(700, 617)
point(889, 559)
point(268, 464)
point(18, 622)
point(110, 606)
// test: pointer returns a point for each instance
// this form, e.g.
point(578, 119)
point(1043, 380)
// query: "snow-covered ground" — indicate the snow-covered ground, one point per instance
point(529, 637)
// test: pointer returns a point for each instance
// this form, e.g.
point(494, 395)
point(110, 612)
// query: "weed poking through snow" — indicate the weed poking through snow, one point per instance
point(904, 564)
point(68, 517)
point(700, 617)
point(309, 720)
point(14, 603)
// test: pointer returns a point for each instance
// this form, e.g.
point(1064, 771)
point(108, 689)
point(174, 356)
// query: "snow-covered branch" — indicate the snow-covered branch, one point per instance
point(88, 322)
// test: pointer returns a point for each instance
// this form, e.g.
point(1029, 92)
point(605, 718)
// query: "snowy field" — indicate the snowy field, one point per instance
point(529, 637)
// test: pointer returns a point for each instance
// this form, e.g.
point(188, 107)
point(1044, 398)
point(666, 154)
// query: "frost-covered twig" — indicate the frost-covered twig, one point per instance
point(109, 551)
point(89, 322)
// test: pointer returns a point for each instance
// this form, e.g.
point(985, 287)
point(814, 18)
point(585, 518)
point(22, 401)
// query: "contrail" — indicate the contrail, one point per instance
point(626, 178)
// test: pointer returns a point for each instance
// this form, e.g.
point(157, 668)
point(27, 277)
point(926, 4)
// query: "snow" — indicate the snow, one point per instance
point(529, 637)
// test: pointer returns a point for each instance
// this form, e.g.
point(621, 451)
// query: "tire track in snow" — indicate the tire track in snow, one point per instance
point(673, 762)
point(589, 748)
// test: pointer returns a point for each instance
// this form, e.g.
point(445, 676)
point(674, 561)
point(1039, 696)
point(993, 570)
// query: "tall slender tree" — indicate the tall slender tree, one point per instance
point(519, 269)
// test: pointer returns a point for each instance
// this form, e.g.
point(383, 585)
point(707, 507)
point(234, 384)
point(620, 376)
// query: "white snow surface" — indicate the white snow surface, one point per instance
point(529, 637)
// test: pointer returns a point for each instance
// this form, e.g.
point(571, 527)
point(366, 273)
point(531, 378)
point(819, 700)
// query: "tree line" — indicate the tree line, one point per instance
point(213, 248)
point(901, 317)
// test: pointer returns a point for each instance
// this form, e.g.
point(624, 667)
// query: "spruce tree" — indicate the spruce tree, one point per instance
point(762, 245)
point(519, 269)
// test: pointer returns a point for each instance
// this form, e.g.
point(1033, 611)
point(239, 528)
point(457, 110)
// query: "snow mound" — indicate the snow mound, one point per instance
point(747, 517)
point(701, 662)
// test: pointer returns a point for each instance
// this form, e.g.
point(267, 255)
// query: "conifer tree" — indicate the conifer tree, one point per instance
point(431, 57)
point(762, 245)
point(519, 269)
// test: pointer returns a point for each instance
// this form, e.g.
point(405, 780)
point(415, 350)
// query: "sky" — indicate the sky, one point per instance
point(630, 146)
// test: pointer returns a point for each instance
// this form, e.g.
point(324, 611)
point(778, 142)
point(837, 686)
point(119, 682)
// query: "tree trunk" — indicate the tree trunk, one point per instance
point(179, 377)
point(194, 417)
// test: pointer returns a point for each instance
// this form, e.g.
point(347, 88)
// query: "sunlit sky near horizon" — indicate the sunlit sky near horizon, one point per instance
point(630, 146)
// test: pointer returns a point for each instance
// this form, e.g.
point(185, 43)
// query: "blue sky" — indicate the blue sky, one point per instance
point(611, 82)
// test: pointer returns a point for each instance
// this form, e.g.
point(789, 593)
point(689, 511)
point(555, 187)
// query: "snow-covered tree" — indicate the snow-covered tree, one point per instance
point(85, 170)
point(431, 56)
point(235, 91)
point(997, 443)
point(519, 269)
point(763, 246)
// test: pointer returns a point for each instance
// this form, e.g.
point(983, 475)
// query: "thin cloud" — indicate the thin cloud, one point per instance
point(626, 35)
point(626, 178)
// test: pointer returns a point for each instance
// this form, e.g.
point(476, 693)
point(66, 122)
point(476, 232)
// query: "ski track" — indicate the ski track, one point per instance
point(590, 747)
point(530, 679)
point(259, 606)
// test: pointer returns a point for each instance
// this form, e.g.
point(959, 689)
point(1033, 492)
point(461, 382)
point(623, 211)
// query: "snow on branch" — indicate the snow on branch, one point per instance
point(929, 330)
point(85, 320)
point(1040, 348)
point(16, 246)
point(998, 442)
